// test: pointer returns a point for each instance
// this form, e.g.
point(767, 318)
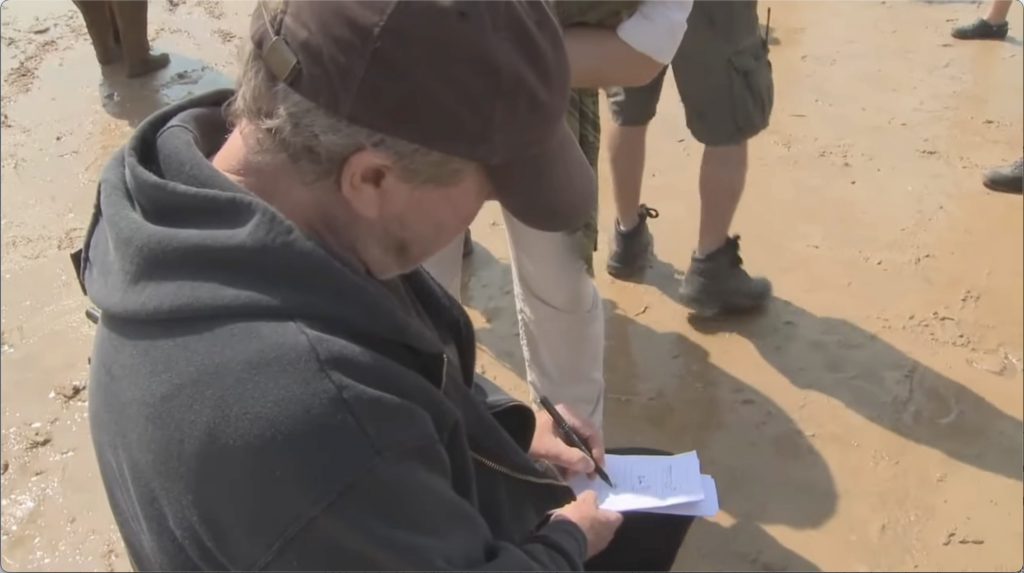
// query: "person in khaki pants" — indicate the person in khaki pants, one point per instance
point(561, 318)
point(119, 29)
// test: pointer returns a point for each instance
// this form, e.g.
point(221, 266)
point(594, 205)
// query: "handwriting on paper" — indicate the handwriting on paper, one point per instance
point(643, 482)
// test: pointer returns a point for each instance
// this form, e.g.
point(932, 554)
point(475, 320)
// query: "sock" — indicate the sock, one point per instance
point(621, 229)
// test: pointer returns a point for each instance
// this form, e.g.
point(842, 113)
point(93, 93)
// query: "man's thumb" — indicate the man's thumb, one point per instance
point(576, 461)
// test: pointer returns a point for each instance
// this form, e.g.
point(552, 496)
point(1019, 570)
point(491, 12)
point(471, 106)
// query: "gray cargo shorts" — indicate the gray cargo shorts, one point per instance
point(722, 72)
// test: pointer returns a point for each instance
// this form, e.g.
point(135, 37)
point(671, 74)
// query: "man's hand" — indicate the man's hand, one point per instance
point(548, 444)
point(599, 525)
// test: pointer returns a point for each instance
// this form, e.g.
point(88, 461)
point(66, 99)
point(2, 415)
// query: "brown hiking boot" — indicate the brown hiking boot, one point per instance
point(717, 284)
point(631, 249)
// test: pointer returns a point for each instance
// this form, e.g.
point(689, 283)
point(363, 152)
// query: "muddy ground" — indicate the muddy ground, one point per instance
point(869, 420)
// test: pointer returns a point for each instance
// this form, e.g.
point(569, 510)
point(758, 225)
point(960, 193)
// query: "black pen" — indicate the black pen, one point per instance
point(572, 438)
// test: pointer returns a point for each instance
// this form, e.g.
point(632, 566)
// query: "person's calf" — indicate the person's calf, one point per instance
point(626, 156)
point(716, 282)
point(723, 175)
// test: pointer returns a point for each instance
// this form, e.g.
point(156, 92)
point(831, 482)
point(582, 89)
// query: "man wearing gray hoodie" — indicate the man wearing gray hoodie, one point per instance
point(275, 383)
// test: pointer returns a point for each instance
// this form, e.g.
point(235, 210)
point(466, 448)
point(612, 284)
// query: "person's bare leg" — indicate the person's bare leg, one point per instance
point(627, 147)
point(723, 174)
point(632, 242)
point(997, 11)
point(132, 22)
point(101, 28)
point(716, 281)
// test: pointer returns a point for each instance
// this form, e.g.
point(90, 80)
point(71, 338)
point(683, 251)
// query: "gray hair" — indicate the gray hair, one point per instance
point(289, 125)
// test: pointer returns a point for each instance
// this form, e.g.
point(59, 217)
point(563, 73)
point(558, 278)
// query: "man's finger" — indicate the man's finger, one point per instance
point(573, 460)
point(583, 426)
point(597, 448)
point(586, 429)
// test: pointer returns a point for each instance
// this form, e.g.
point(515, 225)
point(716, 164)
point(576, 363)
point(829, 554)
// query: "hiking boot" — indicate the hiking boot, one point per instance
point(981, 29)
point(631, 249)
point(716, 283)
point(1006, 178)
point(467, 244)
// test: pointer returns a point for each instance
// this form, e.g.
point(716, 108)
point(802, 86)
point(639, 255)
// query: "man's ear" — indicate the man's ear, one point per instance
point(363, 179)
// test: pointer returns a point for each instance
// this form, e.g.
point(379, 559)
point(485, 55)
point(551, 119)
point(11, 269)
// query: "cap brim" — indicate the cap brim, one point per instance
point(552, 190)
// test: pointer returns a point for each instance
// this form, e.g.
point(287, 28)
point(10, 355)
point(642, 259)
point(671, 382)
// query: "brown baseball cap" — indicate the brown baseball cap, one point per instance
point(486, 81)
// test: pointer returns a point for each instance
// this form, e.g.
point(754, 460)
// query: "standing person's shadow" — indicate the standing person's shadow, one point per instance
point(662, 391)
point(879, 382)
point(133, 100)
point(872, 378)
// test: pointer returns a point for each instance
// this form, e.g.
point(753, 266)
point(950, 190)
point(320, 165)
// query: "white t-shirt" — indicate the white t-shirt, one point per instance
point(657, 28)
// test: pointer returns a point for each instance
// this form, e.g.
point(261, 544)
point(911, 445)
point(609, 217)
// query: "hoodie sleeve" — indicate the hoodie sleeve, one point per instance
point(490, 393)
point(403, 516)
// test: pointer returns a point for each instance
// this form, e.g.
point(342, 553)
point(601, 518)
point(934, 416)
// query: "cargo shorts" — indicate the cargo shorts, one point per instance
point(722, 73)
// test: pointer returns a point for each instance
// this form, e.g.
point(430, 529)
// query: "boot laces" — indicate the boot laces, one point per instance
point(646, 212)
point(732, 247)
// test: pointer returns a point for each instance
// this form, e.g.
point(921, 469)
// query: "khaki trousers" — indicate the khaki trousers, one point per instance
point(561, 316)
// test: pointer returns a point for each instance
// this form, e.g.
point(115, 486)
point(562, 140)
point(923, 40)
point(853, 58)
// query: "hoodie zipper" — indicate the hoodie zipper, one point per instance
point(559, 481)
point(499, 468)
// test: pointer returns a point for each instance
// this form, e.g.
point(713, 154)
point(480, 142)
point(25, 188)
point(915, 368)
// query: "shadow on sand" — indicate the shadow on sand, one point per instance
point(664, 392)
point(873, 378)
point(882, 384)
point(133, 100)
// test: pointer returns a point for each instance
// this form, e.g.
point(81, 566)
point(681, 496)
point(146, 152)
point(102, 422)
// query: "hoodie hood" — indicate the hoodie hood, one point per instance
point(172, 238)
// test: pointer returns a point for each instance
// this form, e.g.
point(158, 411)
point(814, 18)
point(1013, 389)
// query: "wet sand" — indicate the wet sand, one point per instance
point(869, 420)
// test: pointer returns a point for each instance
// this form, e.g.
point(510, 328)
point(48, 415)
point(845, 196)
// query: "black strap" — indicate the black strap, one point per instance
point(76, 262)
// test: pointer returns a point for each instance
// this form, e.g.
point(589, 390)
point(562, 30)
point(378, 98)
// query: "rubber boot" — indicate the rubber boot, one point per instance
point(132, 20)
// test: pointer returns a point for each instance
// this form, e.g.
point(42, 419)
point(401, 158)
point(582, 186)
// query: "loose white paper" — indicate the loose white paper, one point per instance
point(645, 482)
point(706, 507)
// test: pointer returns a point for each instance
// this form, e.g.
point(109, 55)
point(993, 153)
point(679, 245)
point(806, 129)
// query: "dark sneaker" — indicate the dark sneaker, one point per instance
point(467, 244)
point(632, 249)
point(981, 29)
point(717, 283)
point(1007, 178)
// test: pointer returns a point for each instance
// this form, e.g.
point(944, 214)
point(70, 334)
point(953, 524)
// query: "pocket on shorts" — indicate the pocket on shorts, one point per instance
point(753, 90)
